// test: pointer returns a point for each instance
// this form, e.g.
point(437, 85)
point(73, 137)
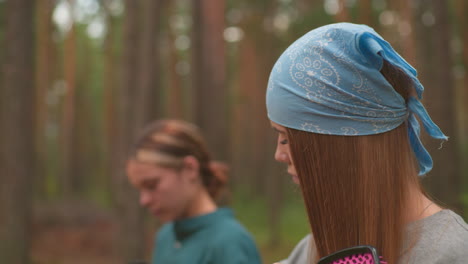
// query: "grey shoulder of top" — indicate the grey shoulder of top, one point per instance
point(459, 220)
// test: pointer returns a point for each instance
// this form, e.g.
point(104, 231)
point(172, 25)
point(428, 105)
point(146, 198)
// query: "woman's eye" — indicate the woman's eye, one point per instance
point(284, 141)
point(150, 185)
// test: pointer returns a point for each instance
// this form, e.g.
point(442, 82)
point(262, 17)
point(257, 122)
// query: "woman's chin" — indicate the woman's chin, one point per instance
point(161, 216)
point(295, 178)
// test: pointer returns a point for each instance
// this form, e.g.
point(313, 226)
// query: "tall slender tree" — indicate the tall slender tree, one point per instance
point(175, 95)
point(365, 12)
point(17, 139)
point(209, 73)
point(110, 86)
point(148, 94)
point(406, 25)
point(44, 77)
point(436, 65)
point(254, 138)
point(245, 148)
point(68, 122)
point(462, 8)
point(343, 13)
point(462, 24)
point(138, 92)
point(131, 233)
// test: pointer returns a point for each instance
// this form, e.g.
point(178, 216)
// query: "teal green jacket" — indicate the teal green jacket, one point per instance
point(214, 238)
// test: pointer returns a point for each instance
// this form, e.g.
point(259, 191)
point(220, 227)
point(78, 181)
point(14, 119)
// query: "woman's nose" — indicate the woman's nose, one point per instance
point(145, 199)
point(281, 156)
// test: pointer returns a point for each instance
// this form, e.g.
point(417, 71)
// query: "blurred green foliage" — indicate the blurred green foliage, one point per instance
point(252, 212)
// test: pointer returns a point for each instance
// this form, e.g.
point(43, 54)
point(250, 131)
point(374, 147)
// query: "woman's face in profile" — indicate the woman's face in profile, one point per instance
point(282, 153)
point(165, 192)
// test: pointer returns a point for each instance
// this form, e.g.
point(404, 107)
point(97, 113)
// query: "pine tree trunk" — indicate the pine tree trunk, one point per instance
point(462, 22)
point(343, 14)
point(110, 86)
point(131, 234)
point(148, 93)
point(209, 74)
point(44, 77)
point(68, 123)
point(17, 139)
point(365, 12)
point(407, 29)
point(257, 140)
point(175, 108)
point(444, 179)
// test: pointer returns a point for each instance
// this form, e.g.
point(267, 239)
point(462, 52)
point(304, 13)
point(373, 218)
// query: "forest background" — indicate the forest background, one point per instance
point(80, 77)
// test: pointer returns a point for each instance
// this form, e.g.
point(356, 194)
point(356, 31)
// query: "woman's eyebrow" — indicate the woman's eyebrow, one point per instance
point(277, 130)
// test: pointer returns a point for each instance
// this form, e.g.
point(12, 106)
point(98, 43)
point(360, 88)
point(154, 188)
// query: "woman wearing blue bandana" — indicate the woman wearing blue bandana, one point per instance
point(347, 108)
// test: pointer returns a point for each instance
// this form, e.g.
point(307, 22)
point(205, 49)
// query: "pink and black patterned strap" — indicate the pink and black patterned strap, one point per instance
point(365, 258)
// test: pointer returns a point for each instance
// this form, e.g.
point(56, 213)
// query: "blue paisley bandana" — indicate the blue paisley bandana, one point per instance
point(329, 82)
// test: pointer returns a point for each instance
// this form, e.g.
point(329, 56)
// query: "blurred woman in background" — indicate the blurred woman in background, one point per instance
point(179, 184)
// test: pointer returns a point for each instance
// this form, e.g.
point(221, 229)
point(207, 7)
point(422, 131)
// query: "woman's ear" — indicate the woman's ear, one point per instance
point(191, 167)
point(130, 166)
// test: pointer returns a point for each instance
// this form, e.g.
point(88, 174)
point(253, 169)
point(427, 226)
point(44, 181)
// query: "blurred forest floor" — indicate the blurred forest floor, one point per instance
point(79, 232)
point(73, 233)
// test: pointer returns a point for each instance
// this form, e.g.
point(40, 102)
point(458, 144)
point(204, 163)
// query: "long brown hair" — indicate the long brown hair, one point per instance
point(167, 142)
point(356, 187)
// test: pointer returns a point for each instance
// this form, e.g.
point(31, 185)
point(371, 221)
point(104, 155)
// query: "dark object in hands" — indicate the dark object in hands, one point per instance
point(137, 262)
point(354, 255)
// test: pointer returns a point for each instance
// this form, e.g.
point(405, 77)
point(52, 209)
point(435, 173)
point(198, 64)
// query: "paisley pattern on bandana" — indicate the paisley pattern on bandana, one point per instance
point(329, 82)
